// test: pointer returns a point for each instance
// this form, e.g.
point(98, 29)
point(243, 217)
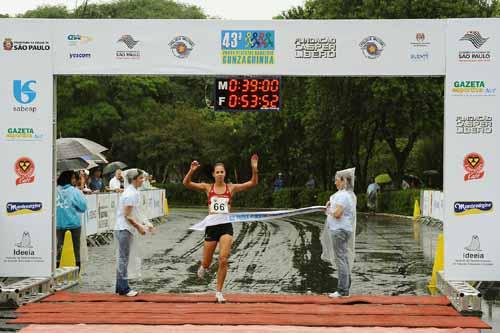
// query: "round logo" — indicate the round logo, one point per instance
point(372, 47)
point(420, 37)
point(473, 165)
point(8, 44)
point(181, 46)
point(25, 168)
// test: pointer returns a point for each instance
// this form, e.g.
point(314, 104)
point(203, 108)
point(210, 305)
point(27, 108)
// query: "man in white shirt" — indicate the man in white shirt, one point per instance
point(371, 195)
point(116, 183)
point(127, 226)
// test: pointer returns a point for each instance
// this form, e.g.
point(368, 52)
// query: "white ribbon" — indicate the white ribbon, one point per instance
point(216, 219)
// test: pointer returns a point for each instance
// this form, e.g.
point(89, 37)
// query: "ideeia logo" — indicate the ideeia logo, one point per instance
point(462, 208)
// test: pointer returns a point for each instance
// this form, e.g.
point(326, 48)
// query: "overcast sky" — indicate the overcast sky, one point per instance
point(227, 9)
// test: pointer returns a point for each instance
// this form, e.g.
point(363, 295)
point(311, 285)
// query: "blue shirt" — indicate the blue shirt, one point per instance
point(344, 199)
point(70, 204)
point(96, 184)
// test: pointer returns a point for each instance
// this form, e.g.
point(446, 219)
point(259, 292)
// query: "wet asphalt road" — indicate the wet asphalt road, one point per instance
point(282, 256)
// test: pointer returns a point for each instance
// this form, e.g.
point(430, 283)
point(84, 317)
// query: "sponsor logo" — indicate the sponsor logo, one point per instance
point(181, 46)
point(476, 41)
point(475, 38)
point(420, 40)
point(473, 254)
point(22, 134)
point(315, 48)
point(473, 165)
point(23, 208)
point(80, 55)
point(474, 124)
point(25, 169)
point(248, 47)
point(419, 57)
point(372, 47)
point(472, 88)
point(23, 92)
point(75, 40)
point(24, 246)
point(462, 208)
point(474, 245)
point(130, 43)
point(10, 45)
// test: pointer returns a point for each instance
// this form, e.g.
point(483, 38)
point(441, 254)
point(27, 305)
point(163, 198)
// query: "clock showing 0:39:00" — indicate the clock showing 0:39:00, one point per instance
point(247, 94)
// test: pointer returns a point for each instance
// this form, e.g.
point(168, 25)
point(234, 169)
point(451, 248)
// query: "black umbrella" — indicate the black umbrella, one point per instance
point(112, 167)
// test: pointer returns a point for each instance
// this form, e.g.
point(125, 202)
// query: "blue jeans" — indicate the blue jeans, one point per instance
point(124, 239)
point(340, 240)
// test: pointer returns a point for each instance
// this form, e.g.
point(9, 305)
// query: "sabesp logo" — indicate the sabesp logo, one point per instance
point(23, 92)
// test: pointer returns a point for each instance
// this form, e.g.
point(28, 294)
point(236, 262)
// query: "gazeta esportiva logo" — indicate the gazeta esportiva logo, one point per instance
point(462, 208)
point(472, 88)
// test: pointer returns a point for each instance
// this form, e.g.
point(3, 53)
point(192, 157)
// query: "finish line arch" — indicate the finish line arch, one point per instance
point(35, 51)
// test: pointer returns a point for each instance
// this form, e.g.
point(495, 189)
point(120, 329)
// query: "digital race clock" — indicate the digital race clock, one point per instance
point(247, 94)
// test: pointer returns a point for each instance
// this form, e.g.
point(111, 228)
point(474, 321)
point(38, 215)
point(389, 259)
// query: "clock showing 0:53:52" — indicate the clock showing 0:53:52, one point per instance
point(247, 94)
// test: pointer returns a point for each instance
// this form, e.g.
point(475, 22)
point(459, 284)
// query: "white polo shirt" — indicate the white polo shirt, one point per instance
point(130, 197)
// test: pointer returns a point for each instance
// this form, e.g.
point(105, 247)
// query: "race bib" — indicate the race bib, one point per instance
point(219, 205)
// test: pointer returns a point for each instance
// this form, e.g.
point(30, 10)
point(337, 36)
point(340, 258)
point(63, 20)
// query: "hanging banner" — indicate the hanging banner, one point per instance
point(471, 180)
point(26, 135)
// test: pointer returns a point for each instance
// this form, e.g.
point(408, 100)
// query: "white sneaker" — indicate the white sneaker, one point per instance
point(336, 295)
point(132, 293)
point(219, 297)
point(201, 272)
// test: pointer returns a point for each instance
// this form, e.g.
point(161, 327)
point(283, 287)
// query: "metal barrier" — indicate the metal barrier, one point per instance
point(34, 289)
point(465, 298)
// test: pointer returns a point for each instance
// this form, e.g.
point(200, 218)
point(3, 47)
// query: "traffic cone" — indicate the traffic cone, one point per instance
point(166, 210)
point(68, 252)
point(416, 210)
point(438, 261)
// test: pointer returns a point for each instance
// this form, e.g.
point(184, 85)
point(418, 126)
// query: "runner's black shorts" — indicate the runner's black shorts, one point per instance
point(215, 232)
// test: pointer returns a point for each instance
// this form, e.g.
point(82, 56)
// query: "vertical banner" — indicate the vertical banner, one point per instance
point(471, 179)
point(104, 209)
point(26, 135)
point(91, 214)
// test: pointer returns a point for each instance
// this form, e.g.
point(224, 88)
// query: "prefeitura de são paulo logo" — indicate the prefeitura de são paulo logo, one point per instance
point(25, 170)
point(473, 165)
point(372, 47)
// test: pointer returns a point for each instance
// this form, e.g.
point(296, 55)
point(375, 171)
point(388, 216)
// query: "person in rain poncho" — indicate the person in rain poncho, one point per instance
point(128, 225)
point(339, 232)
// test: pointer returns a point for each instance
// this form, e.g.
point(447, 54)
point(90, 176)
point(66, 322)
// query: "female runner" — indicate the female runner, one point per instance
point(219, 202)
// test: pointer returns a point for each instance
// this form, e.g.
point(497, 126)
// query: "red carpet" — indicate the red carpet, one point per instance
point(265, 310)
